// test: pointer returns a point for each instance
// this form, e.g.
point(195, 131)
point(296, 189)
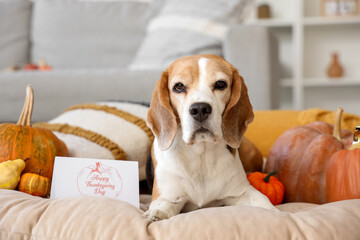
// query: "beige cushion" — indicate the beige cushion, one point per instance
point(23, 216)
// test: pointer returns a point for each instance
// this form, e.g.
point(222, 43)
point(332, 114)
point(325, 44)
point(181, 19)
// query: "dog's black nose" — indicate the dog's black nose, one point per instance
point(200, 111)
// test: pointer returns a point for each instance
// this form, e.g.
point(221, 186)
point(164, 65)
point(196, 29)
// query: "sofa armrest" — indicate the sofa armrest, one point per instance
point(254, 52)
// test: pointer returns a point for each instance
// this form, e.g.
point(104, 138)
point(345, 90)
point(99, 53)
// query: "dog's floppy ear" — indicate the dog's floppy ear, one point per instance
point(161, 118)
point(238, 113)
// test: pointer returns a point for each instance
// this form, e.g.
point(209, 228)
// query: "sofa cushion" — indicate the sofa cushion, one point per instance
point(187, 27)
point(83, 34)
point(23, 216)
point(15, 18)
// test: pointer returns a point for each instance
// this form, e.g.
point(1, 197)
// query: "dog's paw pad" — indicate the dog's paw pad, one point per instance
point(156, 215)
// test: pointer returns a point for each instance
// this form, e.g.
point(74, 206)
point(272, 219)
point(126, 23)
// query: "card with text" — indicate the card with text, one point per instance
point(96, 177)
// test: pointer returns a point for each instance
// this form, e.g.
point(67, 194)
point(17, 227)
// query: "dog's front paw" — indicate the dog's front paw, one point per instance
point(156, 215)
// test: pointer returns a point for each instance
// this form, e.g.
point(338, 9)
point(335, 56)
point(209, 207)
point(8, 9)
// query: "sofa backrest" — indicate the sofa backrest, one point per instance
point(14, 32)
point(88, 34)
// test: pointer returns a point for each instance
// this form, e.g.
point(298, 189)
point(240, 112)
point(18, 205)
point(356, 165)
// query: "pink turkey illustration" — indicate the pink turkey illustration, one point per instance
point(99, 180)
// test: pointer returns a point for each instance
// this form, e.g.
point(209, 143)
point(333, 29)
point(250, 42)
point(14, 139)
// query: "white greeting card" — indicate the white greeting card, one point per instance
point(96, 177)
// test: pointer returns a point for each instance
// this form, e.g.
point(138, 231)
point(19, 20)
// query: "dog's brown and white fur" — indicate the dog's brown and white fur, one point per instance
point(199, 113)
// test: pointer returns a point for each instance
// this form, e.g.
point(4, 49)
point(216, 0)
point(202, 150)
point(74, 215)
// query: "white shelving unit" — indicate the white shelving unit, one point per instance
point(306, 43)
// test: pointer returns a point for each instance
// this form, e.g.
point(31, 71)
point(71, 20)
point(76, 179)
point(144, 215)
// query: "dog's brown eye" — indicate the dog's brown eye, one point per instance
point(179, 88)
point(220, 85)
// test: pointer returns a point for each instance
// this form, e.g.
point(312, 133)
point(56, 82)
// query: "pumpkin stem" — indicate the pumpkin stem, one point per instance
point(25, 117)
point(267, 178)
point(337, 124)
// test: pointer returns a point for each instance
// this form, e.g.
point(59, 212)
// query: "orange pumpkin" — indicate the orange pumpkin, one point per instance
point(35, 184)
point(269, 185)
point(23, 141)
point(343, 175)
point(300, 156)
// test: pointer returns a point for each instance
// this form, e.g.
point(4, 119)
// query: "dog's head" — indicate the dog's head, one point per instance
point(206, 96)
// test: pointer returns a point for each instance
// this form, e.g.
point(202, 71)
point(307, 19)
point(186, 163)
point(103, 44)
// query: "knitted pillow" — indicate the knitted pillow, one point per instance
point(106, 130)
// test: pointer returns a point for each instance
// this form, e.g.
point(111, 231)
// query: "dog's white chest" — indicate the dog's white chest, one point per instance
point(202, 173)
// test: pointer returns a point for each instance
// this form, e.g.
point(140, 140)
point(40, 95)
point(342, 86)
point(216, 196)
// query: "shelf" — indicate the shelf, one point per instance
point(270, 22)
point(324, 82)
point(305, 43)
point(307, 21)
point(321, 21)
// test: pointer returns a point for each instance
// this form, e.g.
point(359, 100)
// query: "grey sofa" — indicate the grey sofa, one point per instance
point(91, 47)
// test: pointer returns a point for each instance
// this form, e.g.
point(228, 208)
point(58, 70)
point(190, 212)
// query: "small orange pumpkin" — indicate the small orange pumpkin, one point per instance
point(343, 175)
point(268, 185)
point(35, 184)
point(23, 141)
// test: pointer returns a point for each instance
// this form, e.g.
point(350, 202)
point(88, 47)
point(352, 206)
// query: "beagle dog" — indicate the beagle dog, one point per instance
point(199, 112)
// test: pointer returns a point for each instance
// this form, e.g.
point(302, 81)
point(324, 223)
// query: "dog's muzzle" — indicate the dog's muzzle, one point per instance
point(200, 111)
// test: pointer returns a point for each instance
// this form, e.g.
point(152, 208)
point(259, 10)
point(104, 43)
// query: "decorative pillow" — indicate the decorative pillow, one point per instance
point(348, 121)
point(106, 130)
point(187, 27)
point(14, 32)
point(269, 125)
